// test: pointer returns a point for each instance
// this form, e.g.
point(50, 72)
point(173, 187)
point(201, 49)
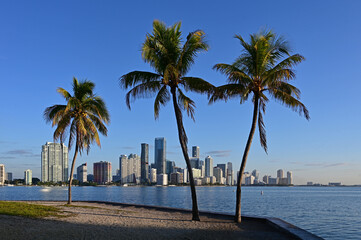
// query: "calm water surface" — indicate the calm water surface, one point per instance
point(329, 212)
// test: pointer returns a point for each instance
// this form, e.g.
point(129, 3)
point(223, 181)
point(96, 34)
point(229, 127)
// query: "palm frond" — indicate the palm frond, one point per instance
point(233, 73)
point(229, 91)
point(197, 85)
point(136, 77)
point(289, 101)
point(195, 44)
point(162, 98)
point(143, 90)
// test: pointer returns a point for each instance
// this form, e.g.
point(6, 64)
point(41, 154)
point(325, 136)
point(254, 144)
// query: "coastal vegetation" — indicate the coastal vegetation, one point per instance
point(27, 210)
point(81, 118)
point(171, 60)
point(264, 67)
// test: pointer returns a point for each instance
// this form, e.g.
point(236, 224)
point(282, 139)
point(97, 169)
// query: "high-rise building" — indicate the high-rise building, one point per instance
point(102, 172)
point(230, 174)
point(255, 174)
point(134, 168)
point(185, 175)
point(130, 168)
point(197, 173)
point(195, 163)
point(153, 175)
point(289, 178)
point(162, 179)
point(54, 162)
point(249, 180)
point(209, 166)
point(160, 155)
point(144, 157)
point(2, 174)
point(195, 151)
point(224, 168)
point(266, 179)
point(280, 173)
point(170, 167)
point(218, 173)
point(82, 172)
point(28, 176)
point(176, 178)
point(9, 176)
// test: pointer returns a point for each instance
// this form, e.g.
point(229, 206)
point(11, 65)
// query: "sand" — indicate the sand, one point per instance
point(105, 221)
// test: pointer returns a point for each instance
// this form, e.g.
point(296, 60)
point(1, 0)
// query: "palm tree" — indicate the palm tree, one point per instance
point(171, 61)
point(264, 67)
point(82, 117)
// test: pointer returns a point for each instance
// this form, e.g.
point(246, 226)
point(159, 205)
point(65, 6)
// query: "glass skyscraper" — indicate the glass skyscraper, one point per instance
point(160, 155)
point(144, 158)
point(54, 162)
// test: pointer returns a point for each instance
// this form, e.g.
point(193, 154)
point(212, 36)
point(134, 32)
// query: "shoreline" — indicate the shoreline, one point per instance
point(96, 219)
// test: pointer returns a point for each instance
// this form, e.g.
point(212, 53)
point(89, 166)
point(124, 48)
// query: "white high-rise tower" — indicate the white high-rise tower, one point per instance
point(54, 162)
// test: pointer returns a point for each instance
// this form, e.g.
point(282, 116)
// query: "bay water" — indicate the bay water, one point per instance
point(329, 212)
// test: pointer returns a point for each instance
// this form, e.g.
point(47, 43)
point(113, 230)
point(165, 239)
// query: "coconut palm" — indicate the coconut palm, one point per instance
point(171, 60)
point(263, 70)
point(81, 118)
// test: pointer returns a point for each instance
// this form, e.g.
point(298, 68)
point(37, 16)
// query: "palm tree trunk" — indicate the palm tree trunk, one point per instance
point(182, 139)
point(72, 173)
point(244, 160)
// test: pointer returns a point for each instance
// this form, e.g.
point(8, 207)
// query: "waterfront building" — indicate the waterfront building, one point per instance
point(2, 174)
point(266, 179)
point(176, 178)
point(102, 172)
point(170, 167)
point(273, 181)
point(197, 173)
point(309, 183)
point(245, 175)
point(160, 155)
point(82, 172)
point(144, 157)
point(9, 176)
point(212, 180)
point(28, 176)
point(185, 175)
point(130, 168)
point(198, 182)
point(54, 162)
point(334, 184)
point(206, 180)
point(209, 166)
point(162, 179)
point(195, 151)
point(224, 169)
point(230, 173)
point(283, 181)
point(280, 173)
point(135, 169)
point(153, 175)
point(90, 177)
point(255, 174)
point(218, 173)
point(249, 180)
point(289, 178)
point(195, 162)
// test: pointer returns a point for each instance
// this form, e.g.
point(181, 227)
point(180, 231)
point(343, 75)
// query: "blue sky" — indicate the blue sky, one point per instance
point(43, 44)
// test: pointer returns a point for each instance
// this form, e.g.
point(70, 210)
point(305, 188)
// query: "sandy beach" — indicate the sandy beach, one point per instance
point(104, 221)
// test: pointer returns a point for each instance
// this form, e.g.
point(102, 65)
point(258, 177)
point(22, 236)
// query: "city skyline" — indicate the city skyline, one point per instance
point(37, 55)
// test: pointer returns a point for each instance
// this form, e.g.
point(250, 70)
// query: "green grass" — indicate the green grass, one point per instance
point(27, 210)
